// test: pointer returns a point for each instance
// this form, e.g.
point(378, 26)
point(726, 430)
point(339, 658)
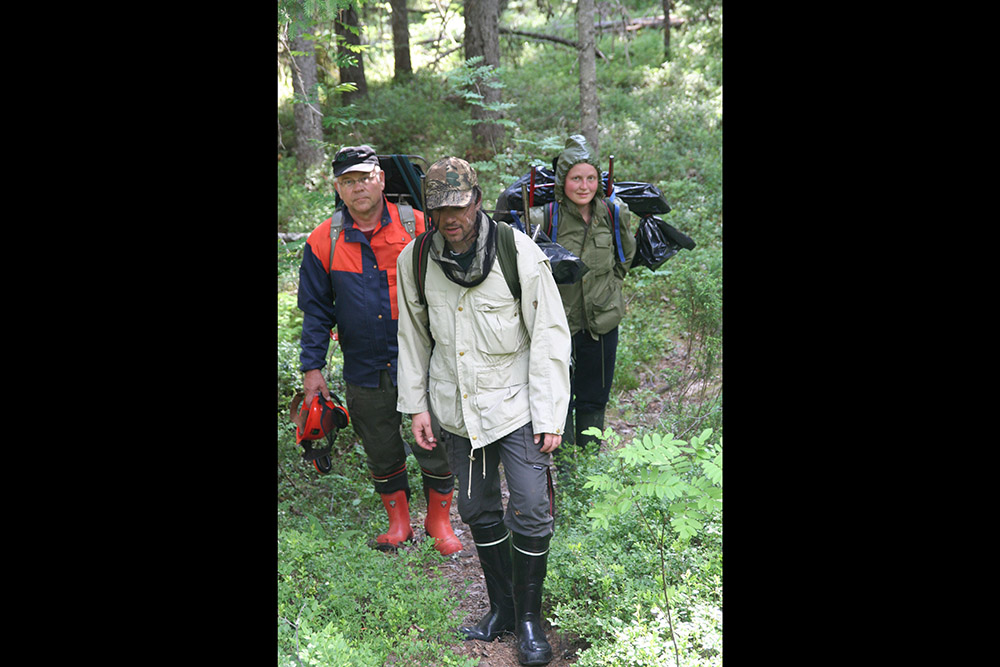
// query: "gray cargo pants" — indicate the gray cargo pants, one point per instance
point(526, 468)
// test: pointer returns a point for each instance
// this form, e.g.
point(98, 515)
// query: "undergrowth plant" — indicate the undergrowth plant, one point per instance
point(337, 607)
point(673, 485)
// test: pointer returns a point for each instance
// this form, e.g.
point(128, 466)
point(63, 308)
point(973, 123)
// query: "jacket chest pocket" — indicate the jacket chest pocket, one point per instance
point(601, 255)
point(441, 315)
point(498, 325)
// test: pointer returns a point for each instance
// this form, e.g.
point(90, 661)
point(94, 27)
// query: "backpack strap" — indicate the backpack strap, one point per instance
point(407, 218)
point(551, 220)
point(616, 229)
point(336, 224)
point(506, 255)
point(420, 253)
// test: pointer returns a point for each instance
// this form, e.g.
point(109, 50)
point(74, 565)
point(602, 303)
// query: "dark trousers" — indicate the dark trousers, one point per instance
point(593, 370)
point(375, 420)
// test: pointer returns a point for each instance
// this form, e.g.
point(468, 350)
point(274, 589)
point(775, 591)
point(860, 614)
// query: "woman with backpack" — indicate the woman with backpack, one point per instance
point(583, 220)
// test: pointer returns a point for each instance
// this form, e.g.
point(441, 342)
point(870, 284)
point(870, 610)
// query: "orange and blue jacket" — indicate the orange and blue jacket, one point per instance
point(357, 295)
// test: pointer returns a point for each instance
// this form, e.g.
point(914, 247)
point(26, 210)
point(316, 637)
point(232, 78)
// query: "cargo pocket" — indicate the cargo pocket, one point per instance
point(500, 399)
point(445, 402)
point(498, 326)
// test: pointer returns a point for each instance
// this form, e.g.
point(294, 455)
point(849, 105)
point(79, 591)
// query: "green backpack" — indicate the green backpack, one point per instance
point(506, 255)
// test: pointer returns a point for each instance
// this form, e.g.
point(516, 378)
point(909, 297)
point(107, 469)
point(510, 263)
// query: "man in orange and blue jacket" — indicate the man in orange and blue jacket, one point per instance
point(357, 295)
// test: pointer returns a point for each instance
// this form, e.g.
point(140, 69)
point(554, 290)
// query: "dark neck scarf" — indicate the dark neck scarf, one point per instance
point(482, 261)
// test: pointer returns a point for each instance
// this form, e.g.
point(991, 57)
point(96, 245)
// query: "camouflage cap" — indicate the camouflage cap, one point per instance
point(450, 181)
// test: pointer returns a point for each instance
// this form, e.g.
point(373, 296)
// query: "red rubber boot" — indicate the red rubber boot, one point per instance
point(438, 523)
point(398, 508)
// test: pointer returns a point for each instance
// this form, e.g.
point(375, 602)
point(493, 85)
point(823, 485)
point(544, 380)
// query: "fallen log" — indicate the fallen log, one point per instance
point(629, 25)
point(548, 38)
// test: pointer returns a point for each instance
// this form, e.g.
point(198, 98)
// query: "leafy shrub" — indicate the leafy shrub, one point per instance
point(648, 643)
point(289, 376)
point(304, 201)
point(665, 551)
point(289, 318)
point(338, 599)
point(644, 334)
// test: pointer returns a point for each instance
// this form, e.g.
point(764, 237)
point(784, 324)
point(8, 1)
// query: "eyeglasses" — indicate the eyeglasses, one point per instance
point(351, 182)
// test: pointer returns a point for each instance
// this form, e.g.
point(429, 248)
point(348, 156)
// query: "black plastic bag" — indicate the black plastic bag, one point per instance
point(642, 198)
point(657, 241)
point(510, 203)
point(567, 268)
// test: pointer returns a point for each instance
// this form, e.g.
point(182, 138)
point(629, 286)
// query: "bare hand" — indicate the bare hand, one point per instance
point(551, 443)
point(313, 383)
point(422, 431)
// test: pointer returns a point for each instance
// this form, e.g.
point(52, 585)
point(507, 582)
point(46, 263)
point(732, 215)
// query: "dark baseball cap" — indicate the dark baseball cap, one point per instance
point(354, 158)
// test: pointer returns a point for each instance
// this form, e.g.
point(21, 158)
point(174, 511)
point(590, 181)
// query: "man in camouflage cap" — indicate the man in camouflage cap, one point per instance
point(495, 371)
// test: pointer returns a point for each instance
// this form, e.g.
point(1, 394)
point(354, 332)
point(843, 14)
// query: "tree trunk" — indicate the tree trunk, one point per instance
point(308, 125)
point(348, 27)
point(401, 40)
point(588, 72)
point(666, 30)
point(482, 38)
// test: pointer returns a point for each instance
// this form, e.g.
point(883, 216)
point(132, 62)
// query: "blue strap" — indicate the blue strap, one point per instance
point(517, 221)
point(618, 232)
point(554, 221)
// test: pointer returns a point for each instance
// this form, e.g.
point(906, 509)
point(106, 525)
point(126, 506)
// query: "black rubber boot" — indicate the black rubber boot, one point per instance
point(493, 547)
point(530, 560)
point(584, 420)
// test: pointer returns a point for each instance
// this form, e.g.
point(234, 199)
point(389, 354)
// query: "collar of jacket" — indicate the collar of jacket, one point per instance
point(482, 262)
point(384, 220)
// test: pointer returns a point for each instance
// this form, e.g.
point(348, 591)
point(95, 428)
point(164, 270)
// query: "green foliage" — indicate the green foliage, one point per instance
point(699, 308)
point(304, 200)
point(289, 260)
point(645, 642)
point(606, 579)
point(289, 318)
point(338, 599)
point(670, 483)
point(644, 334)
point(686, 475)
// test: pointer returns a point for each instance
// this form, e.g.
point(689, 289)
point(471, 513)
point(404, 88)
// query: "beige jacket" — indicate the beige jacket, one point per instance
point(493, 364)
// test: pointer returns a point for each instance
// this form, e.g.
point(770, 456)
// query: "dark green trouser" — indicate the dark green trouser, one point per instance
point(375, 420)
